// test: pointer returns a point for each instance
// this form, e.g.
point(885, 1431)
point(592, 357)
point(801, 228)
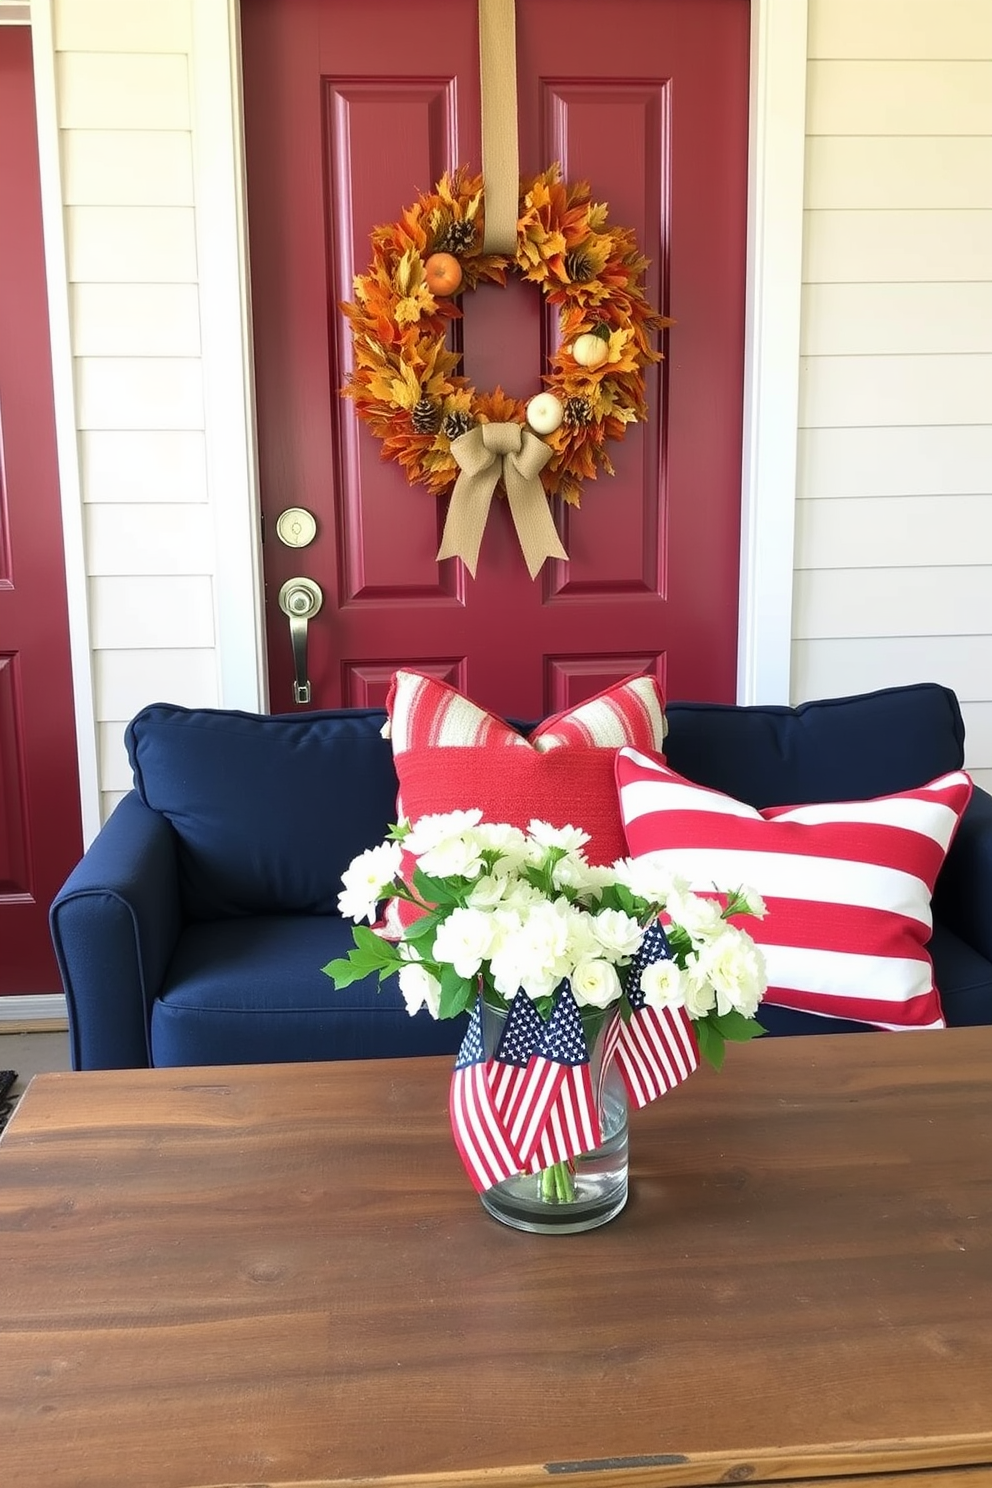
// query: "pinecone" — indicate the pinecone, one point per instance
point(579, 268)
point(426, 417)
point(577, 411)
point(456, 237)
point(454, 424)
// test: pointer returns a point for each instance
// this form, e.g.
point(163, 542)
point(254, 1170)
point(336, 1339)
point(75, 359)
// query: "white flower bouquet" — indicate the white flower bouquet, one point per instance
point(502, 911)
point(586, 976)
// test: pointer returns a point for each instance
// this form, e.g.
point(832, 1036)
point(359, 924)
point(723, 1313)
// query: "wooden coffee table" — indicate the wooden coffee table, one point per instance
point(279, 1274)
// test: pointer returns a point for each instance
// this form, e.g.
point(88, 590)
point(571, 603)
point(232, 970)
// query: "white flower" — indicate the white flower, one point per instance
point(428, 831)
point(583, 943)
point(507, 954)
point(530, 949)
point(618, 933)
point(463, 940)
point(648, 877)
point(735, 969)
point(595, 984)
point(596, 877)
point(545, 835)
point(700, 996)
point(752, 899)
point(420, 989)
point(488, 891)
point(569, 872)
point(366, 880)
point(508, 841)
point(663, 984)
point(520, 895)
point(702, 918)
point(453, 857)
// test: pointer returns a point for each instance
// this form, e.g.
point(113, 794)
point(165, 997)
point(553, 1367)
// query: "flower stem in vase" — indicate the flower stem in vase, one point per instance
point(558, 1183)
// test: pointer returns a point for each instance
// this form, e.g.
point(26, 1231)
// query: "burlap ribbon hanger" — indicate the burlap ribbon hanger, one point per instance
point(500, 144)
point(493, 452)
point(486, 455)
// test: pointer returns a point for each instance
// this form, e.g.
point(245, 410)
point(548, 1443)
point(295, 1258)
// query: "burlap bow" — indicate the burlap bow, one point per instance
point(484, 455)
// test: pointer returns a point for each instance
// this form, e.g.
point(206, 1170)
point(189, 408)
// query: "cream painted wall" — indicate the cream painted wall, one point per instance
point(152, 229)
point(894, 515)
point(125, 128)
point(894, 511)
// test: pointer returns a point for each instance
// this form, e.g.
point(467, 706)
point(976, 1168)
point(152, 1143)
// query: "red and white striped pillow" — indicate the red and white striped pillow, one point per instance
point(452, 755)
point(847, 884)
point(426, 713)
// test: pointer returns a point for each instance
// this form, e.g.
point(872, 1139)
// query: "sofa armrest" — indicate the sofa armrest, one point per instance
point(963, 895)
point(114, 924)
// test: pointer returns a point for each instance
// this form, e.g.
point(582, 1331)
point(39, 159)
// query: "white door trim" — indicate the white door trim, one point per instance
point(64, 398)
point(776, 163)
point(220, 195)
point(778, 74)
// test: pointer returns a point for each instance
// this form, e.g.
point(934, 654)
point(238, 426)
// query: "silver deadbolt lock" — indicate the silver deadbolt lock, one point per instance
point(300, 599)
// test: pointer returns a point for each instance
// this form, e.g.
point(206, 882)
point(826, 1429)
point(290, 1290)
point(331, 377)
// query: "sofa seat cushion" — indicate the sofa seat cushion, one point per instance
point(252, 991)
point(268, 810)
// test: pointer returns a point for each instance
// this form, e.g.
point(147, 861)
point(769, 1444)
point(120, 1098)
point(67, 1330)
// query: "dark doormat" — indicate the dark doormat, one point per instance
point(8, 1079)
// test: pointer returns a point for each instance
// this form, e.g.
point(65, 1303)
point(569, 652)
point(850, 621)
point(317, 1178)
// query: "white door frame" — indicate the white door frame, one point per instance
point(771, 385)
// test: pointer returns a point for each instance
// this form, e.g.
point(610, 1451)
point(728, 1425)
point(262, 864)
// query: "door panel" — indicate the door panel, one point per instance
point(40, 835)
point(351, 110)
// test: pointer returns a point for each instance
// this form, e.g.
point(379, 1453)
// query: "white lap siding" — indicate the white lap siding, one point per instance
point(893, 578)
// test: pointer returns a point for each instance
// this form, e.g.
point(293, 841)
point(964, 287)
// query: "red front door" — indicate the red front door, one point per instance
point(40, 837)
point(352, 110)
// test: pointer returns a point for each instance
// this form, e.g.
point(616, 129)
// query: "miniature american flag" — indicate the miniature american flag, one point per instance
point(657, 1049)
point(569, 1122)
point(513, 1092)
point(480, 1135)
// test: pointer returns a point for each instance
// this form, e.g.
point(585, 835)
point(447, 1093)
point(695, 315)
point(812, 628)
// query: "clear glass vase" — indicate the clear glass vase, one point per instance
point(585, 1191)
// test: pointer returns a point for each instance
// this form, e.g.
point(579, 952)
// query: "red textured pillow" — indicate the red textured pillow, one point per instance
point(452, 755)
point(847, 884)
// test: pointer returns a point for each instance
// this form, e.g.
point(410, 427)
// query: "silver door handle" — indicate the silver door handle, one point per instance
point(300, 599)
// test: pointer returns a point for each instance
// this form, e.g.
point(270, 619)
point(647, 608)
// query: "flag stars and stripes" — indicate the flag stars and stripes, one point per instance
point(485, 1148)
point(657, 1049)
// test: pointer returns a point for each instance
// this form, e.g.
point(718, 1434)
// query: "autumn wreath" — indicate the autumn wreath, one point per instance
point(404, 381)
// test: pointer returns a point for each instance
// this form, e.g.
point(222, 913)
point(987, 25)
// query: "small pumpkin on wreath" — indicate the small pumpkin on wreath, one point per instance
point(405, 381)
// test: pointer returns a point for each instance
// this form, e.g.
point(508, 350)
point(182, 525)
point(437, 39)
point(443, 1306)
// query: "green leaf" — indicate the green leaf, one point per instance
point(372, 945)
point(736, 1027)
point(679, 942)
point(423, 929)
point(711, 1043)
point(456, 992)
point(342, 973)
point(433, 890)
point(626, 900)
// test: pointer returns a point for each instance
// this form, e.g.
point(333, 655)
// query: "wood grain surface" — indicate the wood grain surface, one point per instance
point(279, 1274)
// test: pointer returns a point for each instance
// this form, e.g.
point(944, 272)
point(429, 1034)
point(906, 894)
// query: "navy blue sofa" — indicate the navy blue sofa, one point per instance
point(195, 927)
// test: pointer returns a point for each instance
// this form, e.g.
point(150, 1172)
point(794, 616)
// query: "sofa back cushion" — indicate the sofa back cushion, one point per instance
point(268, 809)
point(839, 749)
